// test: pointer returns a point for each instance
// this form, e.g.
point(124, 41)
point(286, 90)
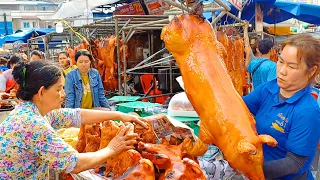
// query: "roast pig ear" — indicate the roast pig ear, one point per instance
point(246, 147)
point(266, 139)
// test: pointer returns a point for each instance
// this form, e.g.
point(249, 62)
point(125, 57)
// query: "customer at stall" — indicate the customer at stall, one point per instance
point(7, 82)
point(285, 109)
point(35, 55)
point(84, 86)
point(261, 67)
point(64, 61)
point(3, 64)
point(29, 143)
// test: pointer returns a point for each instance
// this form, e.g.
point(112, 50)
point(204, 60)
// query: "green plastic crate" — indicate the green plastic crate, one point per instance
point(136, 106)
point(124, 98)
point(195, 128)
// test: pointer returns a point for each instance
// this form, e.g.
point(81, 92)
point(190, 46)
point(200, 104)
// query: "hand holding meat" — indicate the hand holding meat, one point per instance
point(133, 119)
point(123, 141)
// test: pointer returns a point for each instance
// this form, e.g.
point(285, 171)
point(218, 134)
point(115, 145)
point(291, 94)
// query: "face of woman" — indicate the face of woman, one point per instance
point(292, 74)
point(54, 96)
point(63, 60)
point(83, 64)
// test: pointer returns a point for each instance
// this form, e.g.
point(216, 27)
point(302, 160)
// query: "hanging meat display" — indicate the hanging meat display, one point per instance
point(234, 61)
point(103, 52)
point(224, 118)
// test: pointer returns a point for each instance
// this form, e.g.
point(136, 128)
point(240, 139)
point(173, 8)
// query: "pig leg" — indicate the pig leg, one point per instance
point(266, 139)
point(246, 147)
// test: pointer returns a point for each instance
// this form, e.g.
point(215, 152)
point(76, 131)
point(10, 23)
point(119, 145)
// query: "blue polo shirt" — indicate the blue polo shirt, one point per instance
point(265, 72)
point(294, 123)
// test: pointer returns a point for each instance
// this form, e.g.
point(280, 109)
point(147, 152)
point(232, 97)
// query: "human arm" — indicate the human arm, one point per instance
point(291, 164)
point(70, 92)
point(52, 150)
point(101, 95)
point(64, 117)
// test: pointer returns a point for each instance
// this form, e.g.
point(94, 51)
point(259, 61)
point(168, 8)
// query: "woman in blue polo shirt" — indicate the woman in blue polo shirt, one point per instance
point(285, 109)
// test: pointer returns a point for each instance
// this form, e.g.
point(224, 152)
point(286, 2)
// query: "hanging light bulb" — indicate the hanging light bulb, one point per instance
point(59, 27)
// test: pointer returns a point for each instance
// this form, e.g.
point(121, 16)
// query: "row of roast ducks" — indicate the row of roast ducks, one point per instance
point(148, 161)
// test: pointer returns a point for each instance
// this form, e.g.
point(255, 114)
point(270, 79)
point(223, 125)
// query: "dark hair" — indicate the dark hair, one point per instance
point(265, 46)
point(64, 52)
point(3, 61)
point(83, 53)
point(35, 52)
point(308, 50)
point(32, 76)
point(14, 60)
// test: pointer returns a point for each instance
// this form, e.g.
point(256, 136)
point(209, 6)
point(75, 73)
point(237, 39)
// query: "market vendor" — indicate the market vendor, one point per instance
point(84, 85)
point(285, 109)
point(64, 61)
point(261, 67)
point(7, 82)
point(29, 142)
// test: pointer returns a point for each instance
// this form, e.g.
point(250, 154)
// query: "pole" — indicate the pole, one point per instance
point(87, 7)
point(5, 23)
point(118, 54)
point(124, 64)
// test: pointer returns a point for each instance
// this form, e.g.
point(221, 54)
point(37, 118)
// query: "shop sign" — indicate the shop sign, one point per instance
point(134, 8)
point(156, 7)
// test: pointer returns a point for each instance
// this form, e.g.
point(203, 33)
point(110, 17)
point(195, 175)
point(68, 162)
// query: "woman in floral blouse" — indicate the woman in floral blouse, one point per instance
point(29, 144)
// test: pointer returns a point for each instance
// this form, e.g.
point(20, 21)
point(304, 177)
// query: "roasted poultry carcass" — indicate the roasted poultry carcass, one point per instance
point(108, 58)
point(89, 138)
point(239, 65)
point(109, 130)
point(72, 54)
point(144, 170)
point(92, 138)
point(224, 118)
point(146, 135)
point(170, 158)
point(122, 162)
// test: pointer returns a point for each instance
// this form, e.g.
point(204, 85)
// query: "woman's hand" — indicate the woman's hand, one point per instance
point(133, 119)
point(125, 140)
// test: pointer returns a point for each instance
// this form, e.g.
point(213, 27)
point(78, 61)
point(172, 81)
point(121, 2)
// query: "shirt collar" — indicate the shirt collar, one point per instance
point(274, 89)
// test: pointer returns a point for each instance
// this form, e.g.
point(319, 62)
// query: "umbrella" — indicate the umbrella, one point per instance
point(78, 7)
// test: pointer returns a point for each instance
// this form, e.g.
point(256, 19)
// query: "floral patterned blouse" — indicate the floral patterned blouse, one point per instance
point(29, 144)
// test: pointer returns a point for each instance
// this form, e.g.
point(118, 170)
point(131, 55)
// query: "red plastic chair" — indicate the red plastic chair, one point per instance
point(146, 82)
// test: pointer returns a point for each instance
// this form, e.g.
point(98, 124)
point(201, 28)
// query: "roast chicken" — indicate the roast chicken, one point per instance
point(224, 118)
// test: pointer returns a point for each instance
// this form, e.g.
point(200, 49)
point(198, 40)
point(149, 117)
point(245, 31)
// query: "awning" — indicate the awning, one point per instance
point(78, 7)
point(24, 36)
point(277, 11)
